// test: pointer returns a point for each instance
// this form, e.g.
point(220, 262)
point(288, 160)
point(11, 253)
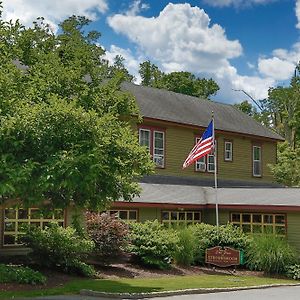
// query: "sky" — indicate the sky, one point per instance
point(248, 45)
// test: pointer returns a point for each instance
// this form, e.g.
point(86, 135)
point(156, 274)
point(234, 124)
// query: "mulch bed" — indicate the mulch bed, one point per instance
point(124, 270)
point(129, 270)
point(54, 279)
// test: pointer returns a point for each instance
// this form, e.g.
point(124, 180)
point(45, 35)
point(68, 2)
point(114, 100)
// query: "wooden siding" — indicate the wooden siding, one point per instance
point(149, 214)
point(209, 216)
point(180, 140)
point(293, 229)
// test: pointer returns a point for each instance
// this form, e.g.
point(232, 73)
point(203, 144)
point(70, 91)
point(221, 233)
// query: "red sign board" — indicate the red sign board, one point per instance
point(222, 257)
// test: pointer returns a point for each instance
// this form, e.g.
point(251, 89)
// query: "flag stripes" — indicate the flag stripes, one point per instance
point(202, 148)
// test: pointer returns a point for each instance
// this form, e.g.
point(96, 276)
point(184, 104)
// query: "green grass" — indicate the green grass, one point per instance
point(150, 284)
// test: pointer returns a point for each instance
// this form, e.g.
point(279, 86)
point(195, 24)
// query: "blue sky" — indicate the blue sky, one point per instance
point(248, 46)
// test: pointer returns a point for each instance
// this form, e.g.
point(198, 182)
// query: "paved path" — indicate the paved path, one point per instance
point(276, 293)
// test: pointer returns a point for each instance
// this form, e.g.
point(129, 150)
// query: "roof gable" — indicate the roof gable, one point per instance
point(173, 107)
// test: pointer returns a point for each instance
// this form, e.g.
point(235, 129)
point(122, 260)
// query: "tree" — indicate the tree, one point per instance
point(63, 138)
point(118, 67)
point(287, 168)
point(246, 108)
point(150, 74)
point(261, 116)
point(179, 82)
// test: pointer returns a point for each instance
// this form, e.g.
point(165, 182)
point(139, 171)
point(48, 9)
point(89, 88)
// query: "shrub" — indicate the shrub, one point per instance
point(187, 245)
point(208, 236)
point(109, 234)
point(19, 274)
point(58, 247)
point(270, 253)
point(293, 271)
point(153, 244)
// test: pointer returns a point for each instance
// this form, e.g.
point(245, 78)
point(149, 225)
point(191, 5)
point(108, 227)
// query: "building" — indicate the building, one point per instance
point(172, 123)
point(248, 196)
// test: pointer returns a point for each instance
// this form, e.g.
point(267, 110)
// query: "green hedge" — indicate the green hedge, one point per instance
point(208, 236)
point(19, 274)
point(270, 253)
point(59, 248)
point(153, 244)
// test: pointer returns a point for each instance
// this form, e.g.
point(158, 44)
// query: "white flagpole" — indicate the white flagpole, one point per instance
point(216, 181)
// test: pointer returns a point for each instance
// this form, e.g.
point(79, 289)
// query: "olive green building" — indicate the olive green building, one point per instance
point(172, 123)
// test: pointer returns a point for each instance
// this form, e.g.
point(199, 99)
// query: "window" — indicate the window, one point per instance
point(15, 219)
point(175, 218)
point(256, 154)
point(158, 148)
point(227, 151)
point(154, 140)
point(129, 215)
point(201, 164)
point(205, 163)
point(260, 223)
point(144, 137)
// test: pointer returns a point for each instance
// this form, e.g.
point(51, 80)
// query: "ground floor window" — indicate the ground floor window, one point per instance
point(129, 215)
point(174, 218)
point(15, 219)
point(260, 222)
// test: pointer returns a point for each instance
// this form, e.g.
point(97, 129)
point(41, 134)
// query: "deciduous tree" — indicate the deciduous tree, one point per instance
point(62, 134)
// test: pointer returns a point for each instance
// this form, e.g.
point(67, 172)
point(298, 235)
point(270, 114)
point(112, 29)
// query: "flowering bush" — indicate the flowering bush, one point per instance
point(109, 234)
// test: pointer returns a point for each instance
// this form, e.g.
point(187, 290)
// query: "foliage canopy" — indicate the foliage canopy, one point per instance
point(63, 137)
point(179, 82)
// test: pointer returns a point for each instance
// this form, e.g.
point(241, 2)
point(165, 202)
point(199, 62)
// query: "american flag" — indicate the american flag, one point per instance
point(203, 147)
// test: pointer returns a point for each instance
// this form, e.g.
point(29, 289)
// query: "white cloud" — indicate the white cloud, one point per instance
point(180, 35)
point(136, 7)
point(131, 63)
point(250, 65)
point(54, 11)
point(276, 68)
point(183, 38)
point(236, 3)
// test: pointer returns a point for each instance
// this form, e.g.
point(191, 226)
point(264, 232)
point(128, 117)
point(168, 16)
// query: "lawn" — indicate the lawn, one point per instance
point(150, 284)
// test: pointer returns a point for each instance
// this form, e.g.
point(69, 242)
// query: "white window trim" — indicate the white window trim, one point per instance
point(253, 161)
point(208, 163)
point(197, 165)
point(228, 151)
point(144, 129)
point(163, 149)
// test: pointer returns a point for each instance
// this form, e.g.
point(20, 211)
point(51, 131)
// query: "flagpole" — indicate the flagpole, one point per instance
point(216, 180)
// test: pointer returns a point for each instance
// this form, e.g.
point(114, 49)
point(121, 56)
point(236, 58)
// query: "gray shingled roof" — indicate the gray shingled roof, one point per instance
point(184, 194)
point(169, 106)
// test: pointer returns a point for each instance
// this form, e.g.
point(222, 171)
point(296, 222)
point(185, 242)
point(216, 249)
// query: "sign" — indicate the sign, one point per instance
point(222, 257)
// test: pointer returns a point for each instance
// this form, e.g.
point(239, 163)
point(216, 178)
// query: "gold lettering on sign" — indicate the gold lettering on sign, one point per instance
point(222, 257)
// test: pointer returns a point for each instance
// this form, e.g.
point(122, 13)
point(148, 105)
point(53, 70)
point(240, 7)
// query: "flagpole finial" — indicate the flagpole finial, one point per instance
point(212, 114)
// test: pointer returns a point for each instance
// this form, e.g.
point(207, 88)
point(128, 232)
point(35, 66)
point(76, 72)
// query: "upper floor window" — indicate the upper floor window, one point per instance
point(205, 163)
point(154, 140)
point(256, 156)
point(228, 151)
